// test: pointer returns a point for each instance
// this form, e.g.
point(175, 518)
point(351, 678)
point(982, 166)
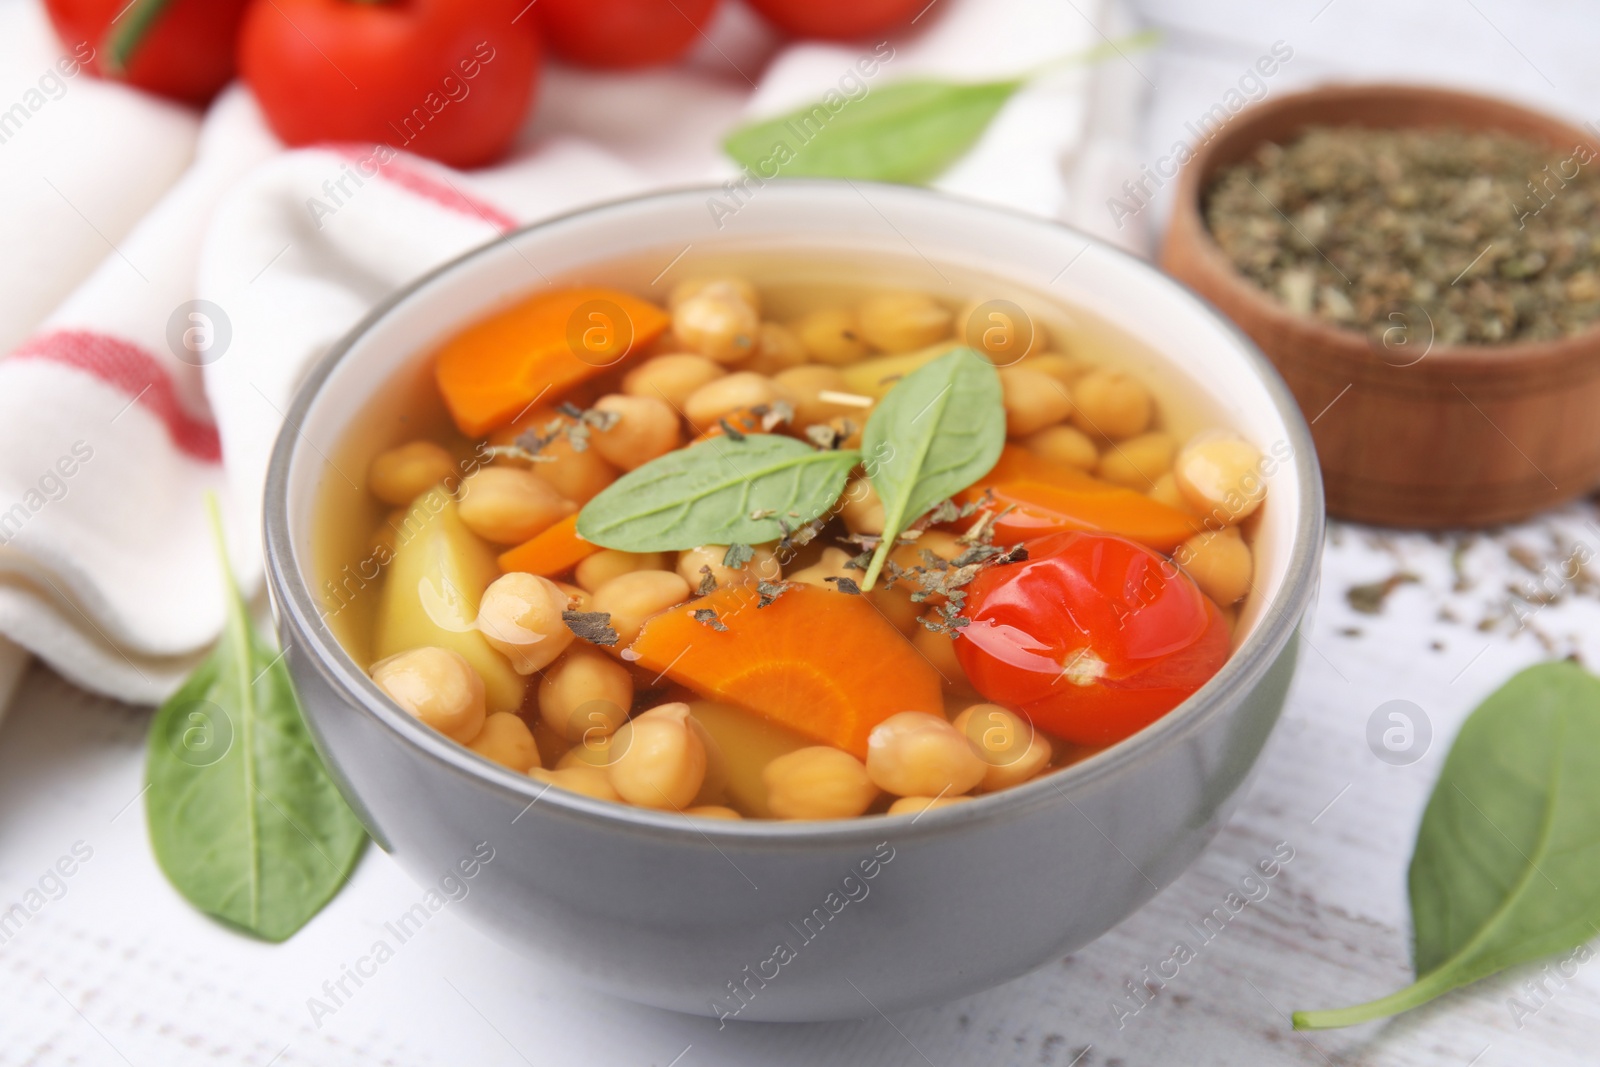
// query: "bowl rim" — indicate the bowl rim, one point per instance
point(296, 609)
point(1188, 221)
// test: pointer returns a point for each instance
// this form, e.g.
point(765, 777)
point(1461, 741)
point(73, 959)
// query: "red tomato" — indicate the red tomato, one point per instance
point(186, 53)
point(838, 20)
point(442, 78)
point(1093, 637)
point(620, 34)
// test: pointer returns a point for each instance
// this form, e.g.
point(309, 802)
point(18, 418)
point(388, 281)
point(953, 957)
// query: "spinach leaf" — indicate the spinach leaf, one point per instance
point(939, 429)
point(908, 131)
point(719, 492)
point(1507, 861)
point(243, 818)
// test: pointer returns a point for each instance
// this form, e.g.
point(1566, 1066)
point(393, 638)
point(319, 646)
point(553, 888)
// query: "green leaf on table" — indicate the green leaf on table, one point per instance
point(722, 491)
point(939, 429)
point(243, 818)
point(1507, 861)
point(908, 131)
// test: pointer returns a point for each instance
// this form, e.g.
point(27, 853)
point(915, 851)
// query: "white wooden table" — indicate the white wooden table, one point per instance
point(119, 970)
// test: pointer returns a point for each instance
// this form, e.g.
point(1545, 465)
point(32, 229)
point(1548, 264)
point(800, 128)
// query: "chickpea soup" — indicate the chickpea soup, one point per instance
point(790, 544)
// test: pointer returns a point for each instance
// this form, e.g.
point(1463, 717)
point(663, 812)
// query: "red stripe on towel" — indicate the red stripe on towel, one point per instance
point(137, 375)
point(416, 180)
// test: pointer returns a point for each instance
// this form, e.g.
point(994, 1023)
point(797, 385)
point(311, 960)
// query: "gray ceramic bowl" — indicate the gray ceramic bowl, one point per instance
point(805, 921)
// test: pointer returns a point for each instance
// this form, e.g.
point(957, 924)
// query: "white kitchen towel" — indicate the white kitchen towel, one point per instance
point(150, 401)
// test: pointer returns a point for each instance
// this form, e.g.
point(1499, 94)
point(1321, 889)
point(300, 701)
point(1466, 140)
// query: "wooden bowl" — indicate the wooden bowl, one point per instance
point(1409, 433)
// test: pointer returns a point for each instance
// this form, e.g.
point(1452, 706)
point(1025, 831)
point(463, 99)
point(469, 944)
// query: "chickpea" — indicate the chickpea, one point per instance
point(940, 651)
point(914, 754)
point(438, 686)
point(506, 740)
point(577, 599)
point(778, 349)
point(832, 336)
point(918, 805)
point(1220, 476)
point(661, 761)
point(508, 505)
point(1165, 491)
point(1066, 445)
point(712, 811)
point(831, 565)
point(726, 395)
point(400, 475)
point(634, 597)
point(1033, 400)
point(862, 510)
point(1138, 461)
point(941, 543)
point(1012, 749)
point(902, 322)
point(1111, 404)
point(647, 427)
point(585, 695)
point(590, 781)
point(596, 570)
point(995, 331)
point(727, 288)
point(593, 751)
point(818, 783)
point(763, 566)
point(718, 327)
point(897, 606)
point(1220, 564)
point(1064, 369)
point(671, 378)
point(577, 475)
point(804, 387)
point(520, 616)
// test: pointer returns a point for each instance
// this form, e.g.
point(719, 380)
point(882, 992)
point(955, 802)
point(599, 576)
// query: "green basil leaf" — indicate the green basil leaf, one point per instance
point(719, 492)
point(939, 429)
point(1507, 861)
point(244, 820)
point(908, 131)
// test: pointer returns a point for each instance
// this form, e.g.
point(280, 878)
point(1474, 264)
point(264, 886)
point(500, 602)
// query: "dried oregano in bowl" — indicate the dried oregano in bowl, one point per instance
point(1495, 238)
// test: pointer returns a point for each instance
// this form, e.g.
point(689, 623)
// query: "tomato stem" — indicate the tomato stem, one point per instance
point(138, 19)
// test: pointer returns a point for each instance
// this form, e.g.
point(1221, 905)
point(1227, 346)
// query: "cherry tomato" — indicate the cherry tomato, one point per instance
point(837, 20)
point(442, 78)
point(621, 34)
point(185, 52)
point(1093, 637)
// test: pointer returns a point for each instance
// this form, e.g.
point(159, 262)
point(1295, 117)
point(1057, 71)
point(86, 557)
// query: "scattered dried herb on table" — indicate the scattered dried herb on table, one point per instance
point(1496, 238)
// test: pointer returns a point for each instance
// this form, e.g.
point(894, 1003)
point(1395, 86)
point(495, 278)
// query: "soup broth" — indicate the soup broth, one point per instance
point(818, 672)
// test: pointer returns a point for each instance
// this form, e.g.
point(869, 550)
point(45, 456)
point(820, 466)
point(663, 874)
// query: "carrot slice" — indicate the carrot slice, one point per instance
point(1048, 498)
point(550, 552)
point(823, 663)
point(1017, 464)
point(494, 369)
point(1039, 509)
